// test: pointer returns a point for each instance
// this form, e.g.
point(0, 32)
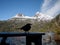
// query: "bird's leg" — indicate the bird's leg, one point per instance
point(28, 32)
point(25, 32)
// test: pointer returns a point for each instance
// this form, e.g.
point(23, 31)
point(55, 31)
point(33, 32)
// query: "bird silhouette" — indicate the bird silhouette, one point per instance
point(26, 27)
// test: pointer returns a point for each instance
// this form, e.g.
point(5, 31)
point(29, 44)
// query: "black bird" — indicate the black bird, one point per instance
point(26, 27)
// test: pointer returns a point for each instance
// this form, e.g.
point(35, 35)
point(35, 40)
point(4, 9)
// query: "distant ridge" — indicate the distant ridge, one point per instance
point(39, 16)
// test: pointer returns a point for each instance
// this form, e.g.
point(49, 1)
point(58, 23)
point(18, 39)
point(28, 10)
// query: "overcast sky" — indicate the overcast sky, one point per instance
point(9, 8)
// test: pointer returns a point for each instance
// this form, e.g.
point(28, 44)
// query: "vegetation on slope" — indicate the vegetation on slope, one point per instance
point(42, 26)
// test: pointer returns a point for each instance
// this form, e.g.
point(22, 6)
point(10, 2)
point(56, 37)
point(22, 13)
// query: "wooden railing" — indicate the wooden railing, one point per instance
point(30, 37)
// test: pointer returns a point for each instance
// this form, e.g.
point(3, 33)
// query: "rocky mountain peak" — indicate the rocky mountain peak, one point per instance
point(43, 16)
point(19, 15)
point(37, 14)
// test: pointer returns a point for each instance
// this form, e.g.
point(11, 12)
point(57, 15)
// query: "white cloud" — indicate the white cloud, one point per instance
point(45, 5)
point(52, 11)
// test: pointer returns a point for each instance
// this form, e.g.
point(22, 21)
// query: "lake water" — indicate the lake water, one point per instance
point(22, 41)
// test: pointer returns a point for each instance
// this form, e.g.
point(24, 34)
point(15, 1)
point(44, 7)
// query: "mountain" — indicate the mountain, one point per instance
point(38, 16)
point(41, 26)
point(57, 21)
point(21, 17)
point(42, 16)
point(55, 24)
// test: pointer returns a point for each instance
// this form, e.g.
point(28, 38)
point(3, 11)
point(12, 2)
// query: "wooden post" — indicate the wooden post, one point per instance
point(37, 39)
point(3, 41)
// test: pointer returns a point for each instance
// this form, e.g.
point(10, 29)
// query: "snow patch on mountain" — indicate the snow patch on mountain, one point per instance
point(22, 16)
point(38, 16)
point(18, 16)
point(43, 16)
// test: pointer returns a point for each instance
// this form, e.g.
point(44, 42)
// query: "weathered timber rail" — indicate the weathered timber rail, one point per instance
point(30, 37)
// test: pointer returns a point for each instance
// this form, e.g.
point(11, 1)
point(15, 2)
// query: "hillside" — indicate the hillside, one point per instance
point(56, 24)
point(37, 26)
